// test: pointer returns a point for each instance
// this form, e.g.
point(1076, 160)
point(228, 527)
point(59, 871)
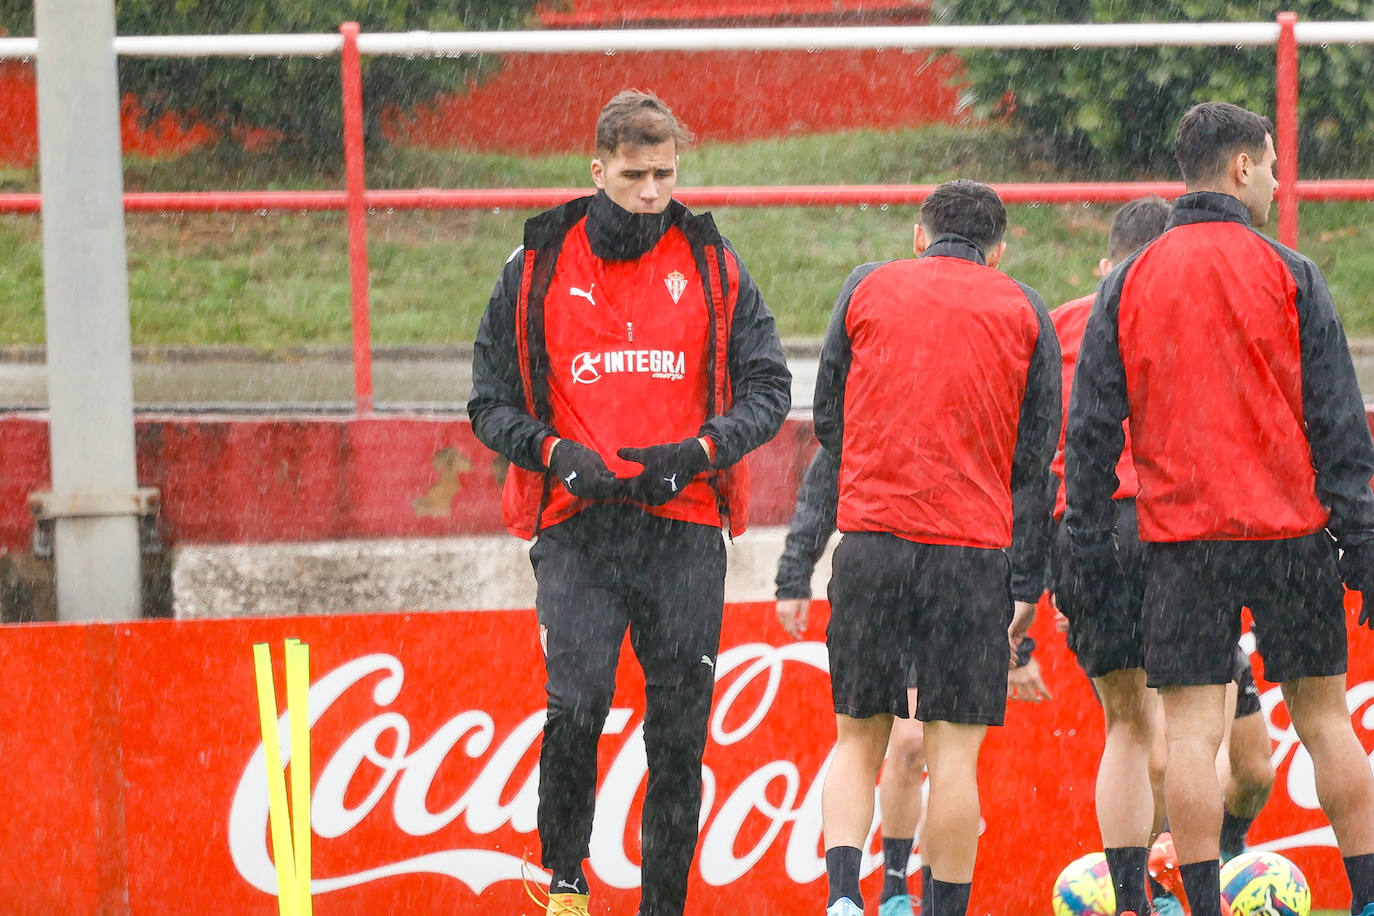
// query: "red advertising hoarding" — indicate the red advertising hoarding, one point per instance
point(133, 777)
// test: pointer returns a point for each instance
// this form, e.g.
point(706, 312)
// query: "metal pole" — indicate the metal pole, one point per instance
point(351, 64)
point(1286, 101)
point(86, 288)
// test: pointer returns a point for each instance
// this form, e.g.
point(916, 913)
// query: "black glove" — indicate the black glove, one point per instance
point(582, 472)
point(1357, 571)
point(667, 469)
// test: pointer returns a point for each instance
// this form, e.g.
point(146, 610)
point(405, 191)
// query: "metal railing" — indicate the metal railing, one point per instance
point(1285, 35)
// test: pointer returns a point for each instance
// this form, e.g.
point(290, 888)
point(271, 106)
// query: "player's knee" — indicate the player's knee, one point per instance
point(578, 708)
point(1254, 774)
point(1133, 723)
point(906, 750)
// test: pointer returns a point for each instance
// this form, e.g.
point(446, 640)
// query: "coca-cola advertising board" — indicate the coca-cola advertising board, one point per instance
point(133, 778)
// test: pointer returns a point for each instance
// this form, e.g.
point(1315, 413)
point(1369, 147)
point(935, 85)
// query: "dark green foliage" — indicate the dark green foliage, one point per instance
point(299, 97)
point(1116, 109)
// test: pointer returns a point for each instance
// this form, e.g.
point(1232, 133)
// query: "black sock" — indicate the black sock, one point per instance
point(925, 885)
point(896, 855)
point(946, 899)
point(569, 880)
point(1233, 831)
point(1360, 871)
point(1157, 890)
point(842, 870)
point(1202, 884)
point(1127, 864)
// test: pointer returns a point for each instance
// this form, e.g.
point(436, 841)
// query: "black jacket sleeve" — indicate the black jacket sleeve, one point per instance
point(1033, 484)
point(813, 522)
point(833, 370)
point(760, 383)
point(1333, 410)
point(496, 406)
point(1094, 438)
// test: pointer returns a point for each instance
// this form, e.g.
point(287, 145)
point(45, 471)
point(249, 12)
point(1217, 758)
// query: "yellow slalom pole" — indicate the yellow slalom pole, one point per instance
point(298, 715)
point(278, 814)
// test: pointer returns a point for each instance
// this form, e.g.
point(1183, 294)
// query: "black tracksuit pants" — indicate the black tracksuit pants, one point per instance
point(604, 570)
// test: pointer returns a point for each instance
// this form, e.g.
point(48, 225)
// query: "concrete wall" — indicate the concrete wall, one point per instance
point(479, 572)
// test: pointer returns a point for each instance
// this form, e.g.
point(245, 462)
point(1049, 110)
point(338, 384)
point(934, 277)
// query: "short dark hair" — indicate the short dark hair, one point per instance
point(1136, 224)
point(1211, 133)
point(968, 208)
point(635, 118)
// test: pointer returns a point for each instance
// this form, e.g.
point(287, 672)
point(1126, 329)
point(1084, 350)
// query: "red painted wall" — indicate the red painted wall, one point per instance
point(19, 123)
point(256, 479)
point(549, 103)
point(612, 13)
point(546, 103)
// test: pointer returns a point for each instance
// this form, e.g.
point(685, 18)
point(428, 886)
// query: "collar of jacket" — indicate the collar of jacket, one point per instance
point(546, 231)
point(616, 234)
point(953, 245)
point(1208, 207)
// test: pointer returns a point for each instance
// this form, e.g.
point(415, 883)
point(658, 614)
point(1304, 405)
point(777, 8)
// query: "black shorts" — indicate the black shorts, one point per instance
point(1112, 638)
point(1194, 591)
point(896, 605)
point(1247, 691)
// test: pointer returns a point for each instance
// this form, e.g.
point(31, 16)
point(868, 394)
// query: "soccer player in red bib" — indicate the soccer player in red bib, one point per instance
point(938, 388)
point(1224, 351)
point(625, 365)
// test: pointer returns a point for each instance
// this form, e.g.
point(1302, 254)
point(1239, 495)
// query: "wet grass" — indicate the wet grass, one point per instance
point(281, 280)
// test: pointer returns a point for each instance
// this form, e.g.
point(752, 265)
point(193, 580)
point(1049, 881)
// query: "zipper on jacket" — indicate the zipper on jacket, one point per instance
point(630, 330)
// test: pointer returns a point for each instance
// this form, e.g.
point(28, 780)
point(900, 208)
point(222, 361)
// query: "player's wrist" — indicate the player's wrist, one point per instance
point(546, 450)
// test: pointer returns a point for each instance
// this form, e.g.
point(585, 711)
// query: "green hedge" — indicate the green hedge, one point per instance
point(1116, 109)
point(298, 96)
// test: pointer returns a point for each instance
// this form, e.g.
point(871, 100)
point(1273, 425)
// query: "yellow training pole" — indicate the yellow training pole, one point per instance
point(298, 715)
point(278, 814)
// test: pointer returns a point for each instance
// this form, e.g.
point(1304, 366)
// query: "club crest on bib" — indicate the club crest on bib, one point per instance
point(676, 284)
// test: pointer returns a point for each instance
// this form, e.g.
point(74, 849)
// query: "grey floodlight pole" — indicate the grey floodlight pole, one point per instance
point(86, 288)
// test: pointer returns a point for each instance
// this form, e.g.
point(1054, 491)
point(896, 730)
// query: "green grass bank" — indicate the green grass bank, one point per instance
point(271, 281)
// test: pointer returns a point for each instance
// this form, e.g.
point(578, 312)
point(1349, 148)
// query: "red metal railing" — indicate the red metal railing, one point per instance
point(357, 217)
point(1286, 101)
point(356, 199)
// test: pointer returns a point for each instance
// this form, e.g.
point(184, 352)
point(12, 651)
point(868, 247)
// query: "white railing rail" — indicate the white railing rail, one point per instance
point(555, 41)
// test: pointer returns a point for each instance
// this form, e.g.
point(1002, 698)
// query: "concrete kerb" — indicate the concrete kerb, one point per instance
point(464, 573)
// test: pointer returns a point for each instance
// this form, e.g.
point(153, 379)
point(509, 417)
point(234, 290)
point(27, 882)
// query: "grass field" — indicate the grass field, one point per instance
point(279, 280)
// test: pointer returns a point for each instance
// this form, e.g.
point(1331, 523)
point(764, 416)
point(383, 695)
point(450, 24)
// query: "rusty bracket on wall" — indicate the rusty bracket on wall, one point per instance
point(47, 506)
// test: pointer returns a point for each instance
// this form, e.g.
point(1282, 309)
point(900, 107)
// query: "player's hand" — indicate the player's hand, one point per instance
point(582, 472)
point(1023, 615)
point(667, 469)
point(1061, 623)
point(1357, 571)
point(1025, 683)
point(793, 614)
